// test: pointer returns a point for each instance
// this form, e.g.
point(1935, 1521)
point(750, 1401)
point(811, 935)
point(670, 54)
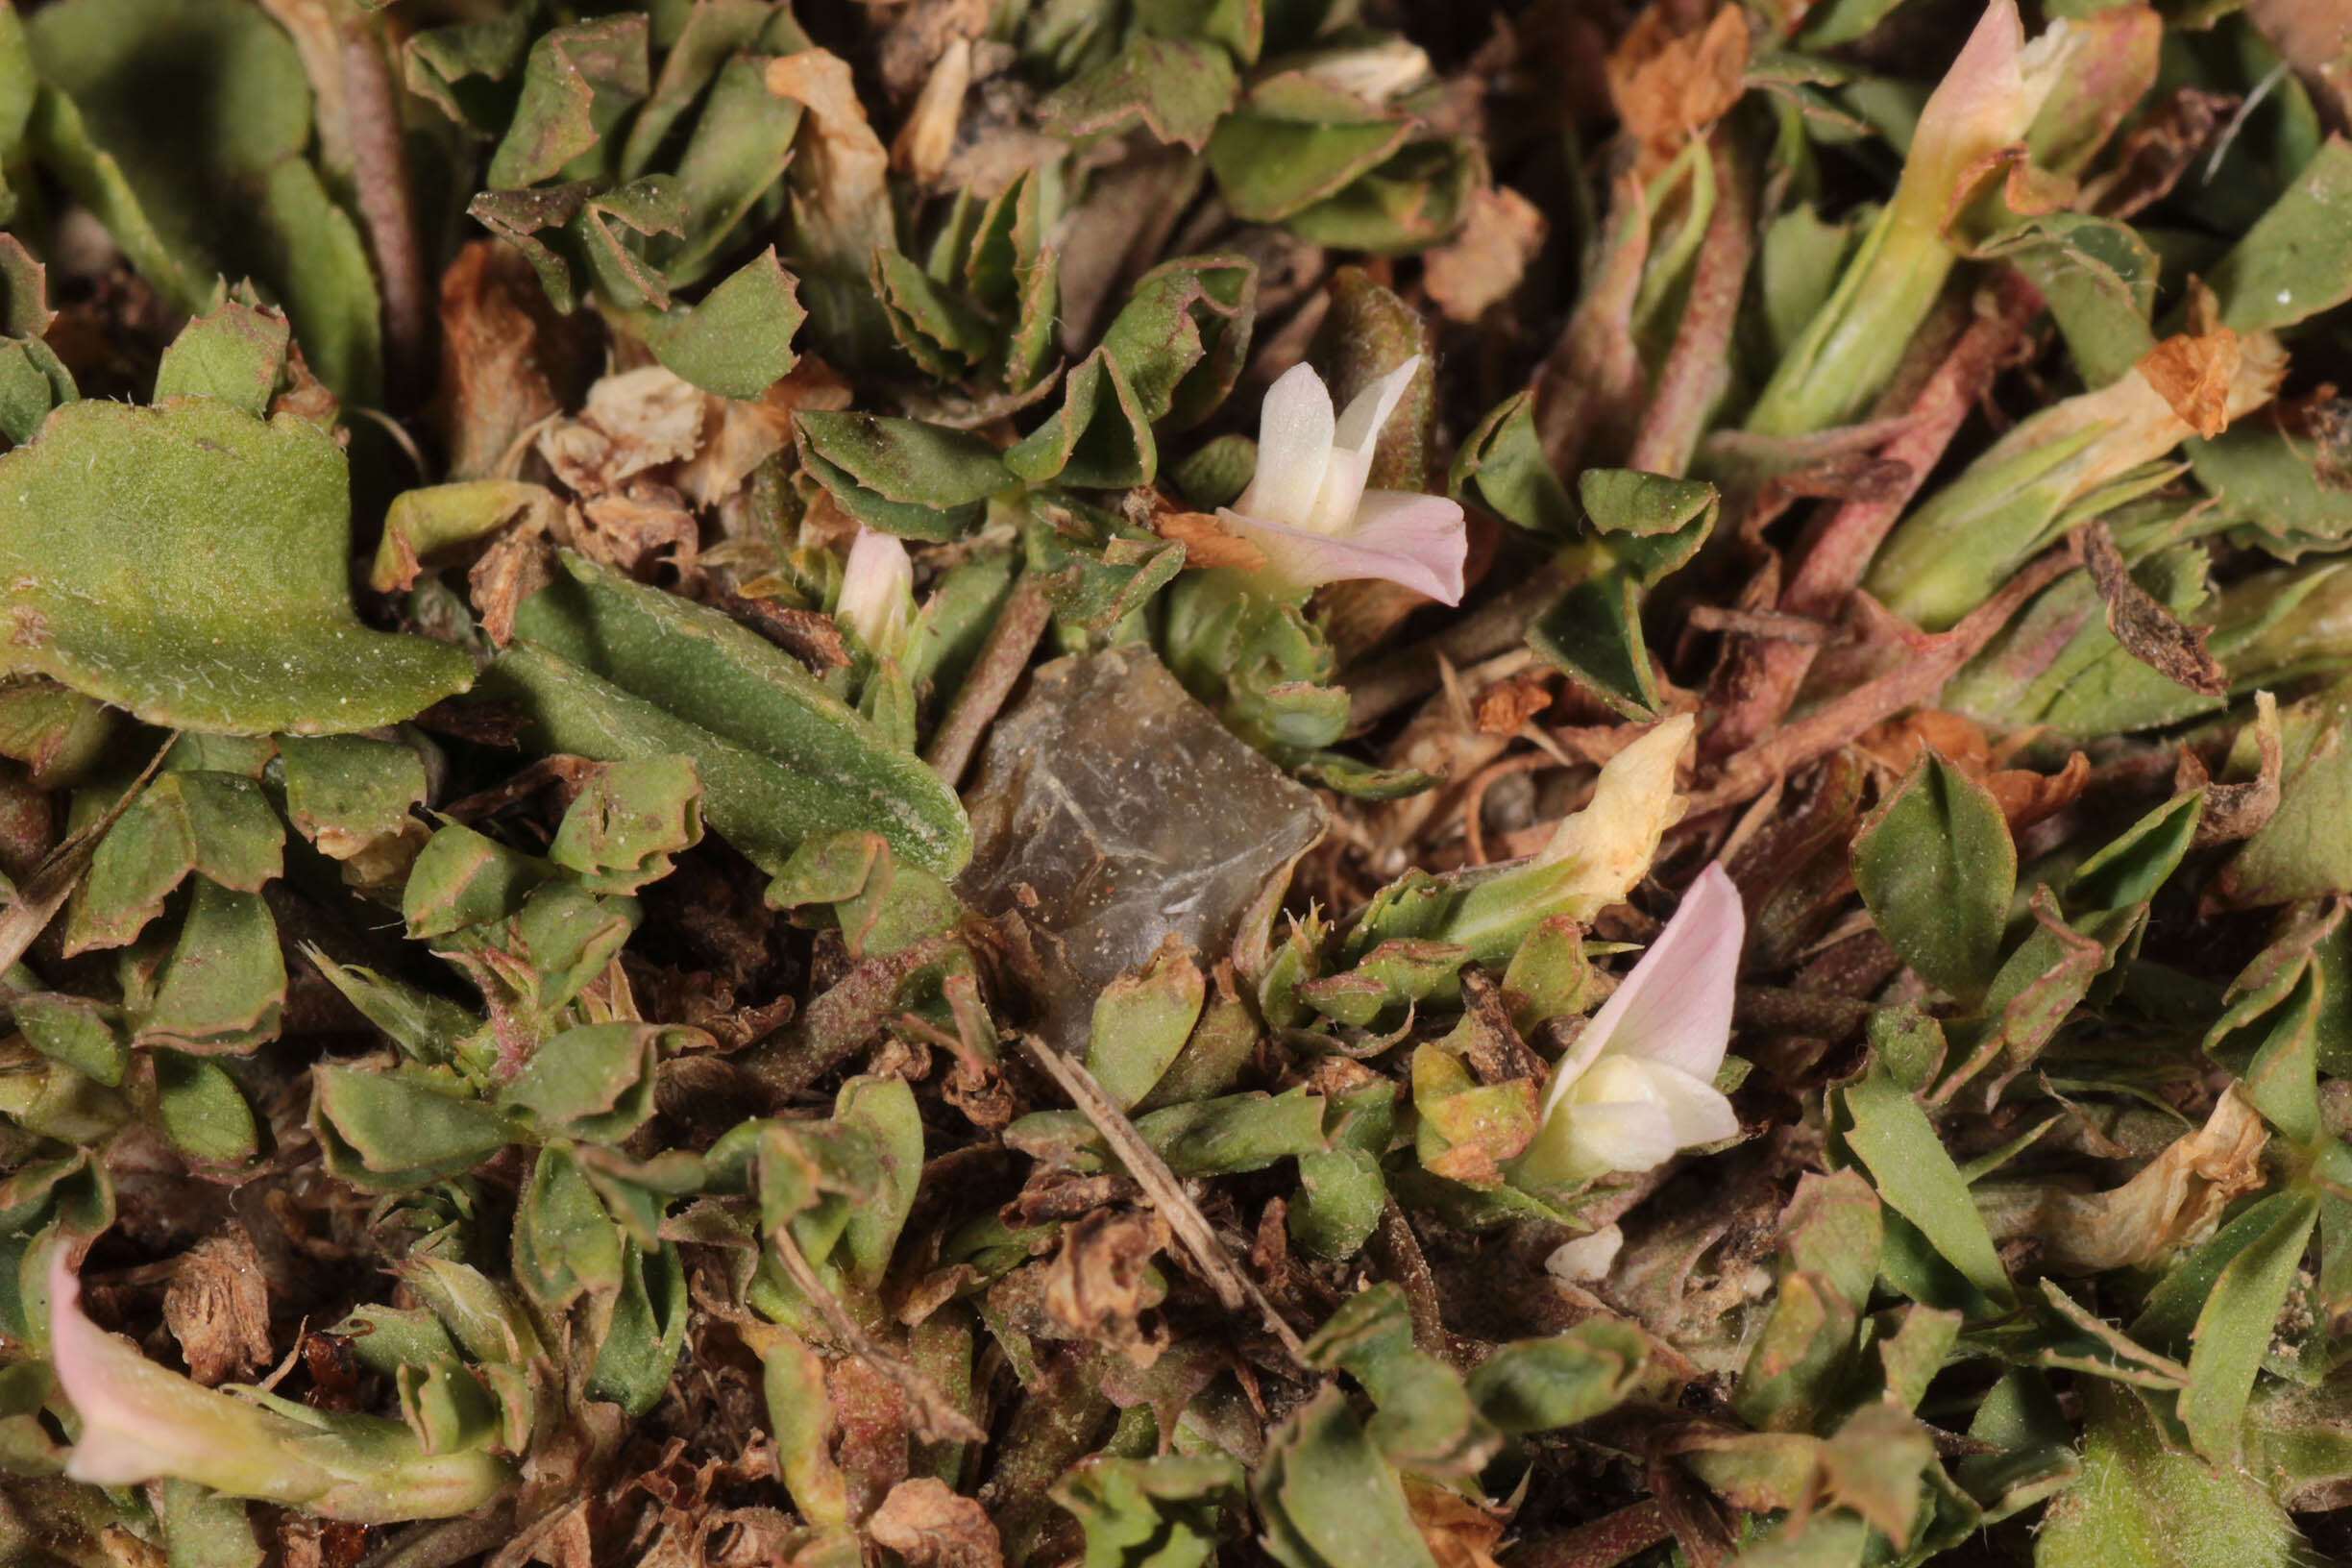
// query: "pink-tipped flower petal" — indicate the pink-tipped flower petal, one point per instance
point(1403, 538)
point(1294, 447)
point(140, 1421)
point(875, 587)
point(1676, 1006)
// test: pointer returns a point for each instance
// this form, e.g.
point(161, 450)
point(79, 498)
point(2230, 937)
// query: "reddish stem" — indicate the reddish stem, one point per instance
point(1767, 675)
point(1916, 679)
point(1698, 365)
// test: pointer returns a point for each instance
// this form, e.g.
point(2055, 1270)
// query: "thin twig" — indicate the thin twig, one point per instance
point(933, 1416)
point(1602, 1543)
point(1002, 659)
point(1234, 1287)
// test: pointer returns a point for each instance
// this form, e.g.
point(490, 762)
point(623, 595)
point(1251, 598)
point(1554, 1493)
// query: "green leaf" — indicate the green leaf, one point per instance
point(1501, 467)
point(577, 84)
point(941, 332)
point(2292, 264)
point(225, 981)
point(2305, 850)
point(594, 1083)
point(345, 793)
point(2143, 1504)
point(189, 563)
point(780, 758)
point(81, 1033)
point(1099, 439)
point(1162, 1513)
point(1543, 1385)
point(1294, 143)
point(565, 1244)
point(181, 125)
point(1340, 1198)
point(1183, 335)
point(214, 823)
point(428, 1029)
point(622, 828)
point(737, 339)
point(463, 879)
point(1593, 634)
point(386, 1131)
point(1405, 203)
point(236, 354)
point(1652, 523)
point(647, 1332)
point(885, 1109)
point(1176, 88)
point(2233, 1331)
point(901, 475)
point(1326, 1498)
point(1142, 1021)
point(202, 1111)
point(1890, 1136)
point(1937, 870)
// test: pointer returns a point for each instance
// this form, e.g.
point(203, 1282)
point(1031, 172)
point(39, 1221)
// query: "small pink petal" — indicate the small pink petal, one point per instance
point(1294, 447)
point(1676, 1006)
point(140, 1421)
point(1979, 106)
point(875, 583)
point(1414, 540)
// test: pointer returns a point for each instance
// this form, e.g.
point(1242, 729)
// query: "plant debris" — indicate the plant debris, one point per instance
point(943, 784)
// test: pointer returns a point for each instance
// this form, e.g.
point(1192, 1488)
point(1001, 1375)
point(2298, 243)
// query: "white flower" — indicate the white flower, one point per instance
point(1307, 508)
point(877, 589)
point(1639, 1083)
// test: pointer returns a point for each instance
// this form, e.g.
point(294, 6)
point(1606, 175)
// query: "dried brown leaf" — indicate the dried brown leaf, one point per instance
point(2237, 811)
point(2172, 1203)
point(1094, 1284)
point(1458, 1531)
point(218, 1309)
point(926, 1523)
point(1667, 85)
point(2194, 371)
point(839, 168)
point(1485, 262)
point(1205, 542)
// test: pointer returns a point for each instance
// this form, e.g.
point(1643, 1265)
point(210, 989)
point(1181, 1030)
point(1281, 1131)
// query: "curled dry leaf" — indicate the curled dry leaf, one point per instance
point(2172, 1203)
point(2235, 812)
point(2024, 796)
point(928, 1525)
point(635, 421)
point(218, 1309)
point(2149, 631)
point(1458, 1532)
point(1095, 1284)
point(499, 346)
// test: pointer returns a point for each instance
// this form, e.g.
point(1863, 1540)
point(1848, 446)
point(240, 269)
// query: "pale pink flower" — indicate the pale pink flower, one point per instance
point(1638, 1084)
point(1307, 508)
point(877, 589)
